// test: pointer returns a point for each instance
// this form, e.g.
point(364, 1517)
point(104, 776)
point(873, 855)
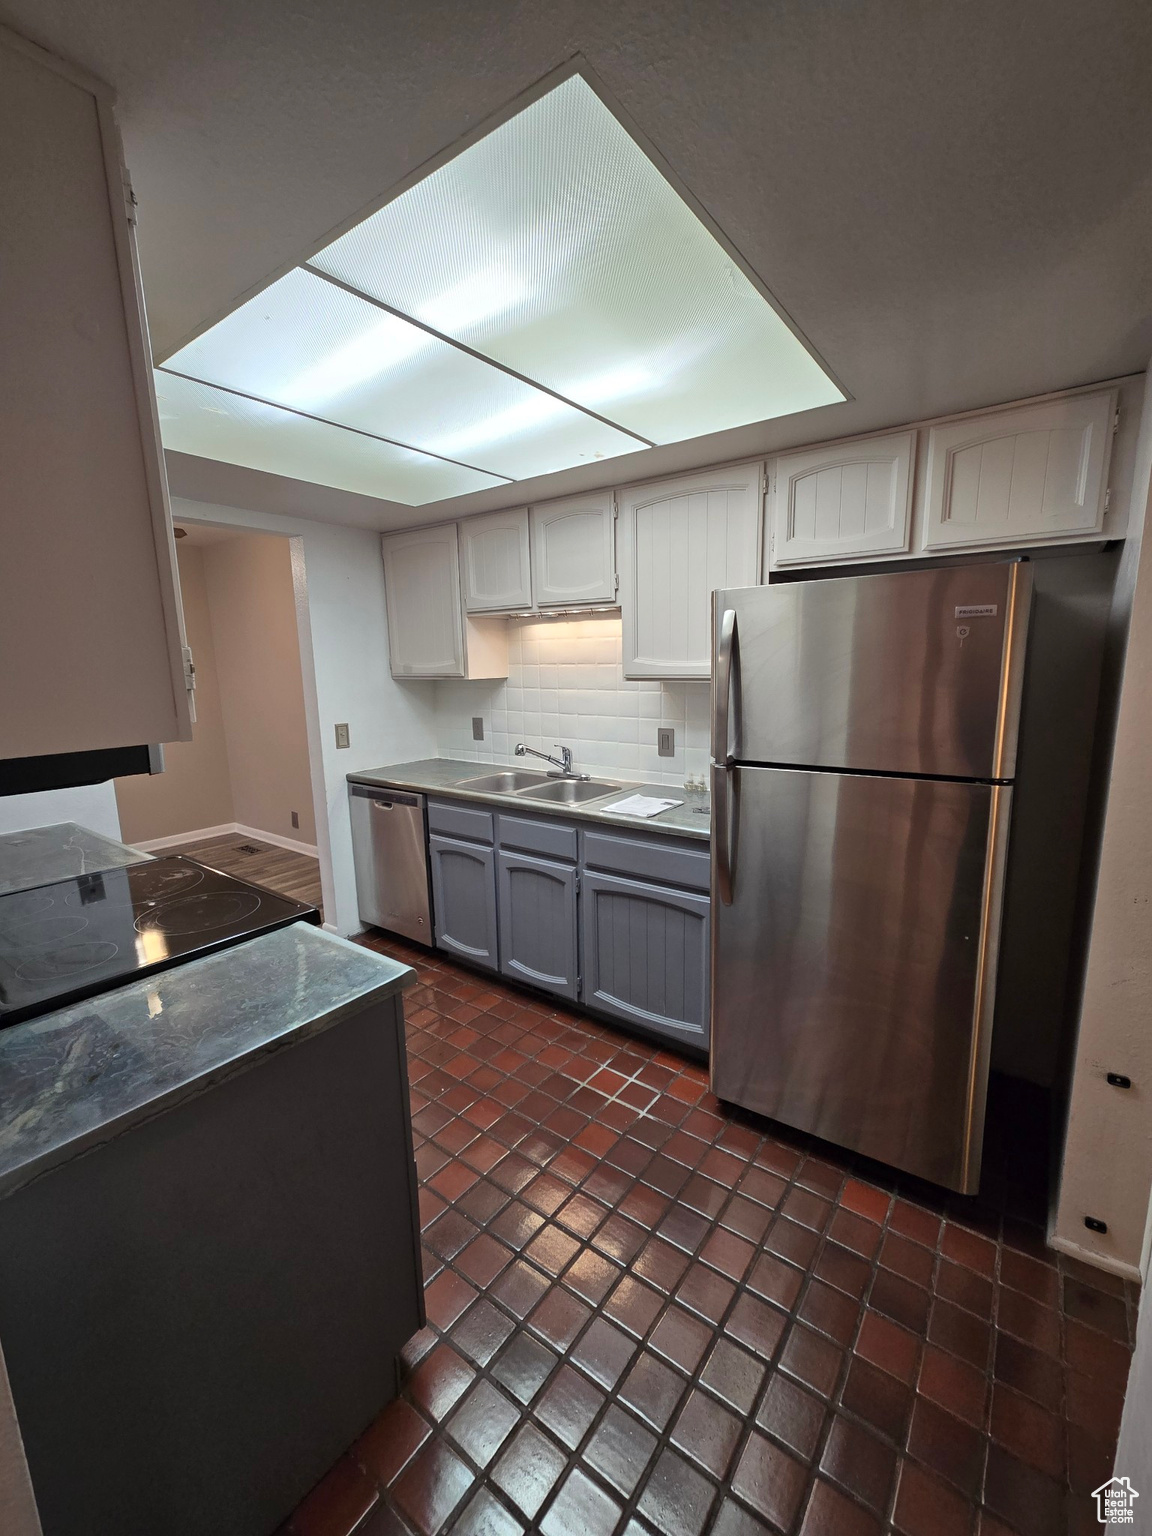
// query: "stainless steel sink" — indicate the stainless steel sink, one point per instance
point(509, 782)
point(570, 791)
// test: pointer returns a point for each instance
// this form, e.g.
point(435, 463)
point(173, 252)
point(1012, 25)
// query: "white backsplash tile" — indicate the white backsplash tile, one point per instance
point(565, 684)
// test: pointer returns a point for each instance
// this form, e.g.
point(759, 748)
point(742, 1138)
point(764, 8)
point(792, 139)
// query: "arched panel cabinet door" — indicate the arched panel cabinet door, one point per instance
point(678, 541)
point(574, 551)
point(464, 899)
point(537, 906)
point(842, 501)
point(645, 955)
point(495, 563)
point(1023, 476)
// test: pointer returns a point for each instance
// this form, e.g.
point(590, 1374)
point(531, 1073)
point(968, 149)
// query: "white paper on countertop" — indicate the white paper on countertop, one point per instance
point(640, 805)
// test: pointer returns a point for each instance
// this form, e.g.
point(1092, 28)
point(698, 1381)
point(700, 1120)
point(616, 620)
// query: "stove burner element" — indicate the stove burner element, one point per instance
point(196, 914)
point(40, 931)
point(67, 963)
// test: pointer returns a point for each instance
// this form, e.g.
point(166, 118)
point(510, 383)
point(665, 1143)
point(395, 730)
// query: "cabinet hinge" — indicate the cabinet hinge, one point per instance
point(616, 583)
point(1107, 498)
point(577, 885)
point(189, 670)
point(1116, 422)
point(129, 197)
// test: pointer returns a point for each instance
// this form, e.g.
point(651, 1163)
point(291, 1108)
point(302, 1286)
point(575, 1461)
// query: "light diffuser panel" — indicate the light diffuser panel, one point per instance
point(309, 344)
point(197, 418)
point(555, 246)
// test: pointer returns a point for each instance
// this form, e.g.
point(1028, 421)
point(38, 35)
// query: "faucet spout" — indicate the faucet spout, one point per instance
point(563, 762)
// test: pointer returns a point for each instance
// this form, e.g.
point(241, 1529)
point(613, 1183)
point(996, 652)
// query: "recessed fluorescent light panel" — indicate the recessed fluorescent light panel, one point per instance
point(545, 299)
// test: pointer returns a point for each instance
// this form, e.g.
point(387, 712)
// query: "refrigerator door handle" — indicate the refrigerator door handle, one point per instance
point(722, 830)
point(725, 650)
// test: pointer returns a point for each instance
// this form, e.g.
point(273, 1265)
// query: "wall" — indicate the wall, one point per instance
point(89, 805)
point(1134, 1447)
point(1107, 1162)
point(343, 646)
point(195, 789)
point(253, 607)
point(565, 684)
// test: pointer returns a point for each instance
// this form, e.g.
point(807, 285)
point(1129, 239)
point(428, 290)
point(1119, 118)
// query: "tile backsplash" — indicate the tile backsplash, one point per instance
point(566, 684)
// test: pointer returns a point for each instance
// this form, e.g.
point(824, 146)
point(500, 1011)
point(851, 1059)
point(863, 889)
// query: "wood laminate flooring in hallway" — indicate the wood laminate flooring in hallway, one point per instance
point(277, 869)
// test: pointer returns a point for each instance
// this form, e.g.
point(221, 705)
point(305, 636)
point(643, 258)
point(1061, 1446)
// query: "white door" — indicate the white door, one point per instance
point(679, 540)
point(1022, 476)
point(91, 631)
point(843, 501)
point(495, 562)
point(422, 591)
point(574, 551)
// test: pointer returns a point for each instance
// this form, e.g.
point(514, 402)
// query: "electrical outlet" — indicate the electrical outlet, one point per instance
point(477, 727)
point(296, 818)
point(665, 742)
point(342, 737)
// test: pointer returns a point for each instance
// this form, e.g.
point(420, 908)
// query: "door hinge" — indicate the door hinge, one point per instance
point(129, 196)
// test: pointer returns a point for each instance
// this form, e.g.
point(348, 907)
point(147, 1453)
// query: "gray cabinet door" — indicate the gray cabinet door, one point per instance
point(538, 922)
point(645, 951)
point(464, 897)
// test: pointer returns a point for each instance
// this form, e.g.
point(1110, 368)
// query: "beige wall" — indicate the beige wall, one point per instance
point(1107, 1166)
point(247, 762)
point(253, 608)
point(195, 789)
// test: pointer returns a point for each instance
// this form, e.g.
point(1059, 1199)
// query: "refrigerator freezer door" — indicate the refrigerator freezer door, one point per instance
point(853, 973)
point(909, 672)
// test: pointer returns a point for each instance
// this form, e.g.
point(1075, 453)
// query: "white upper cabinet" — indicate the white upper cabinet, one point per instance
point(574, 551)
point(845, 500)
point(495, 561)
point(680, 539)
point(1023, 476)
point(91, 629)
point(429, 634)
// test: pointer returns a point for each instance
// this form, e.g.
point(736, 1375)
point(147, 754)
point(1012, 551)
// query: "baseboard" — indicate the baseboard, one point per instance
point(200, 834)
point(1090, 1256)
point(228, 829)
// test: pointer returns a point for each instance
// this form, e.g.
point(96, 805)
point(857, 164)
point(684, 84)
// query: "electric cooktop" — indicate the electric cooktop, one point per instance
point(76, 937)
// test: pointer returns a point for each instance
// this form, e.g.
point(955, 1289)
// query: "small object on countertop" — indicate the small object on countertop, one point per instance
point(640, 805)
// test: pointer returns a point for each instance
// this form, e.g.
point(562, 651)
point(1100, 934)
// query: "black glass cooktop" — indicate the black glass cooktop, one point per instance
point(83, 935)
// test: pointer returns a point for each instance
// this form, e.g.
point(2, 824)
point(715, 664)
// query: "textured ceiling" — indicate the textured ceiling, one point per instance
point(954, 202)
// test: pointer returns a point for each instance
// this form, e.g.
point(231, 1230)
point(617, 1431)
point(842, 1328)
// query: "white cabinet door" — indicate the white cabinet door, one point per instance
point(843, 501)
point(91, 630)
point(679, 540)
point(1024, 476)
point(574, 551)
point(422, 591)
point(495, 562)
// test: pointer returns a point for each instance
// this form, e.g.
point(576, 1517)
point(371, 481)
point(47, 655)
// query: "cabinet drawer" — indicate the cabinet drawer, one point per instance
point(456, 820)
point(551, 838)
point(670, 863)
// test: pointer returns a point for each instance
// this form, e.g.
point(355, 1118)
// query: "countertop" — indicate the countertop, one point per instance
point(40, 855)
point(443, 776)
point(78, 1077)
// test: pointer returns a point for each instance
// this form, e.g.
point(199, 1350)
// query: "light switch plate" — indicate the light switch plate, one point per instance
point(666, 741)
point(342, 737)
point(477, 727)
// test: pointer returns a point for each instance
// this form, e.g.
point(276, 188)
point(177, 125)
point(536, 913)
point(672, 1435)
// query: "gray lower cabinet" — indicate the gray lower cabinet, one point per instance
point(537, 905)
point(645, 954)
point(464, 899)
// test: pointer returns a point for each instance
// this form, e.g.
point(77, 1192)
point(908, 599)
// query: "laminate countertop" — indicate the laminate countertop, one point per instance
point(78, 1077)
point(39, 855)
point(445, 776)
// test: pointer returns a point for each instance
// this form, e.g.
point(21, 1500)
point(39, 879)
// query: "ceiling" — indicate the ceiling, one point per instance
point(952, 202)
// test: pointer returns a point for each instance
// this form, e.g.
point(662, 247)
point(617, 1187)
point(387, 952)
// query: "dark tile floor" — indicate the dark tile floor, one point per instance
point(649, 1313)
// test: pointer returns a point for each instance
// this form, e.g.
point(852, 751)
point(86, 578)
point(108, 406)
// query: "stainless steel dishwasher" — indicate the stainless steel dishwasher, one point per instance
point(391, 857)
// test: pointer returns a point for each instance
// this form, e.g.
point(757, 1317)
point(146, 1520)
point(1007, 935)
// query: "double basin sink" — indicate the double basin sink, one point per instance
point(530, 785)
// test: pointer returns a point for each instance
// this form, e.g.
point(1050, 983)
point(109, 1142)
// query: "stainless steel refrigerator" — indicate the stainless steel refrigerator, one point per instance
point(864, 740)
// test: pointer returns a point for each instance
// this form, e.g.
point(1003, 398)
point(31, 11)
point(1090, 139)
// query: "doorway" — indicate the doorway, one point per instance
point(240, 794)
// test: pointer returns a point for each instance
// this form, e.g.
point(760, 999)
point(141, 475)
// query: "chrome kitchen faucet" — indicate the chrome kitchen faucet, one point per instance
point(563, 762)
